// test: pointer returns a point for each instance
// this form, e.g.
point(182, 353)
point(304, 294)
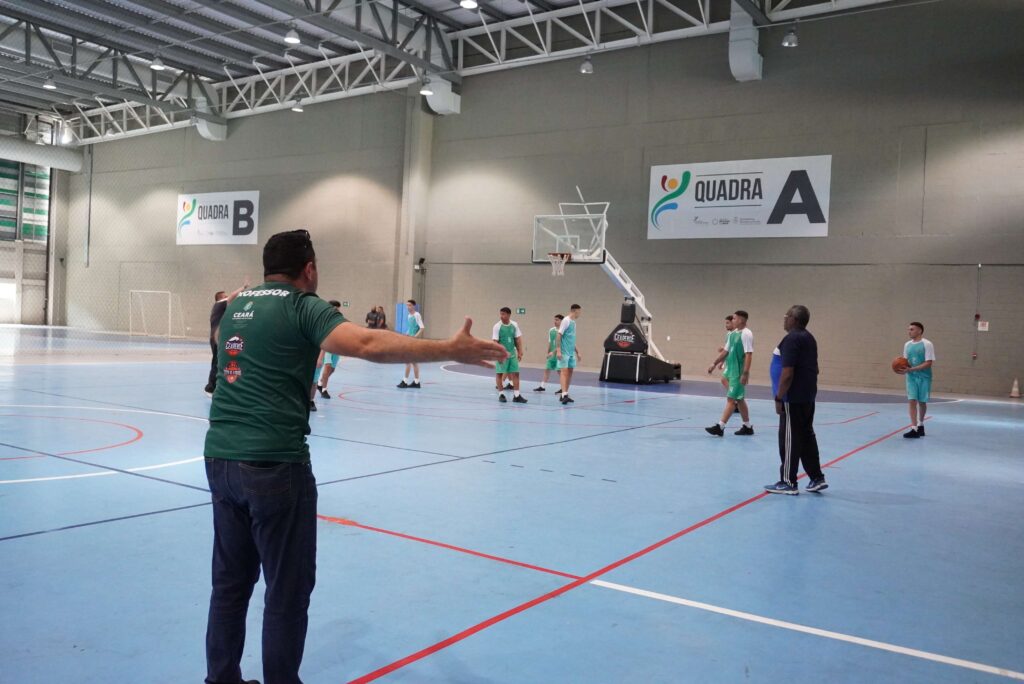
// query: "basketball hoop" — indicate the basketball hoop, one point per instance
point(558, 261)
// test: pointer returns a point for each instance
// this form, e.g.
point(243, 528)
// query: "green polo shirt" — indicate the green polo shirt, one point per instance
point(270, 338)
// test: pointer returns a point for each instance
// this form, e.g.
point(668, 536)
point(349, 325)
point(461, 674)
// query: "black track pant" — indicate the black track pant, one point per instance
point(797, 442)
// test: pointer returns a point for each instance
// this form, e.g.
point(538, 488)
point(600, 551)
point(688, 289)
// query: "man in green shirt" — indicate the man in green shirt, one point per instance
point(257, 459)
point(551, 363)
point(506, 332)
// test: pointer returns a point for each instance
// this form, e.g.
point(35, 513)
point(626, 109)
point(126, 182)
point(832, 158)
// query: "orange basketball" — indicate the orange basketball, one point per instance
point(900, 363)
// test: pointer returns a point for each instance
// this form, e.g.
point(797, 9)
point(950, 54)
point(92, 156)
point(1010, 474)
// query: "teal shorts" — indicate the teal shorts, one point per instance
point(552, 363)
point(566, 362)
point(919, 387)
point(737, 390)
point(509, 365)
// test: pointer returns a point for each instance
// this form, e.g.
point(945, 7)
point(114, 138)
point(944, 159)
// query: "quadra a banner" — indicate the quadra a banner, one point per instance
point(218, 218)
point(785, 197)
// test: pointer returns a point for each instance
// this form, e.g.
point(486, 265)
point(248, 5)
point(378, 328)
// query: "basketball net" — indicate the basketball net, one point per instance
point(558, 261)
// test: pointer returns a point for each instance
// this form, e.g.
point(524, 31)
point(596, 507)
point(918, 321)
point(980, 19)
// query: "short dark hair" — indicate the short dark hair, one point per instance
point(919, 325)
point(334, 302)
point(801, 314)
point(218, 295)
point(559, 316)
point(507, 310)
point(575, 307)
point(411, 301)
point(288, 253)
point(742, 314)
point(729, 317)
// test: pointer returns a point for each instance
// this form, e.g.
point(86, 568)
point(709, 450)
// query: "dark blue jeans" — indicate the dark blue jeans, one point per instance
point(262, 516)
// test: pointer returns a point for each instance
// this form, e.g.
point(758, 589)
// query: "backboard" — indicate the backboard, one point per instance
point(578, 229)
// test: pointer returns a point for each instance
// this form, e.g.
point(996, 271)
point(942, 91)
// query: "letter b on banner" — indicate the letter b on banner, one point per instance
point(241, 218)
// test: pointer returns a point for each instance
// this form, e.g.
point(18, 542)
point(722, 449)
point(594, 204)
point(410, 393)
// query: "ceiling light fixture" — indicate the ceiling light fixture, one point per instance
point(157, 64)
point(790, 40)
point(292, 37)
point(425, 89)
point(65, 134)
point(49, 84)
point(297, 107)
point(587, 66)
point(468, 4)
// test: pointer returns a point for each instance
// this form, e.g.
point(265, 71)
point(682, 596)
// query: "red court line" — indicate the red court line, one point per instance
point(136, 438)
point(455, 638)
point(471, 552)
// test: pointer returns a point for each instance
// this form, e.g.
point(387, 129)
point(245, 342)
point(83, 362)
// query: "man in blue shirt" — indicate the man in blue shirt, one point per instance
point(794, 403)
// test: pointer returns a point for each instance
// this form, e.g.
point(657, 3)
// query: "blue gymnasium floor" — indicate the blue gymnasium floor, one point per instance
point(474, 542)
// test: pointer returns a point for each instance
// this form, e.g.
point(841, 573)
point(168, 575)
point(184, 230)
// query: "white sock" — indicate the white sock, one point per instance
point(747, 425)
point(721, 424)
point(515, 393)
point(406, 380)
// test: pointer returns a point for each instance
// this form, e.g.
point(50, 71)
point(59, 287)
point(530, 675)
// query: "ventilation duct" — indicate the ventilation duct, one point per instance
point(19, 150)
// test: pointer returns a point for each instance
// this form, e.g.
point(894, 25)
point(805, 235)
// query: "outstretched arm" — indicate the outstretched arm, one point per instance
point(384, 346)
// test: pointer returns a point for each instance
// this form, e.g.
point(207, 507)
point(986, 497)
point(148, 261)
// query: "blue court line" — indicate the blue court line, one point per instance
point(500, 451)
point(106, 520)
point(103, 467)
point(385, 446)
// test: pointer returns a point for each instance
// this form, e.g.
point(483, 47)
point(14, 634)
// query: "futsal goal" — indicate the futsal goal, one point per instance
point(155, 313)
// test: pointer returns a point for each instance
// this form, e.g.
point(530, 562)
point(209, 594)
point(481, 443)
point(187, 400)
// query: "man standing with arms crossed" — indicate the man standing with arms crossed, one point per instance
point(920, 354)
point(794, 403)
point(738, 355)
point(257, 459)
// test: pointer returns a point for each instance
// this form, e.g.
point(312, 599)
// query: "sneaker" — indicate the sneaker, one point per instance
point(568, 399)
point(403, 384)
point(324, 393)
point(781, 487)
point(745, 431)
point(558, 391)
point(912, 433)
point(816, 485)
point(920, 430)
point(715, 430)
point(312, 406)
point(736, 410)
point(539, 389)
point(501, 398)
point(508, 386)
point(208, 393)
point(415, 384)
point(519, 400)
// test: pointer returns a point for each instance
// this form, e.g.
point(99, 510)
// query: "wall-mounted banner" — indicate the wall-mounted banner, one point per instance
point(785, 197)
point(218, 218)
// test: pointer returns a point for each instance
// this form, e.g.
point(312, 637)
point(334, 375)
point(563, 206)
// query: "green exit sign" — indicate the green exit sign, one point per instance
point(521, 310)
point(345, 304)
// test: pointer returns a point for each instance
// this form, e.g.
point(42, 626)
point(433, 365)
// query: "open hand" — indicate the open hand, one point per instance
point(465, 348)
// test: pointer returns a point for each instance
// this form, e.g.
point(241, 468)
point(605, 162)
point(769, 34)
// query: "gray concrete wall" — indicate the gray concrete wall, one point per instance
point(335, 169)
point(922, 110)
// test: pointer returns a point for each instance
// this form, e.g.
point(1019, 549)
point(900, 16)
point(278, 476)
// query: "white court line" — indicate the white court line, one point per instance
point(101, 474)
point(870, 643)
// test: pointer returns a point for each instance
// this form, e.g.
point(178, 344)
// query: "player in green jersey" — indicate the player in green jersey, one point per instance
point(551, 361)
point(506, 332)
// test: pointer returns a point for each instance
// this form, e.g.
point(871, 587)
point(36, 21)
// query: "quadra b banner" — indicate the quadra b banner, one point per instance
point(218, 218)
point(785, 197)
